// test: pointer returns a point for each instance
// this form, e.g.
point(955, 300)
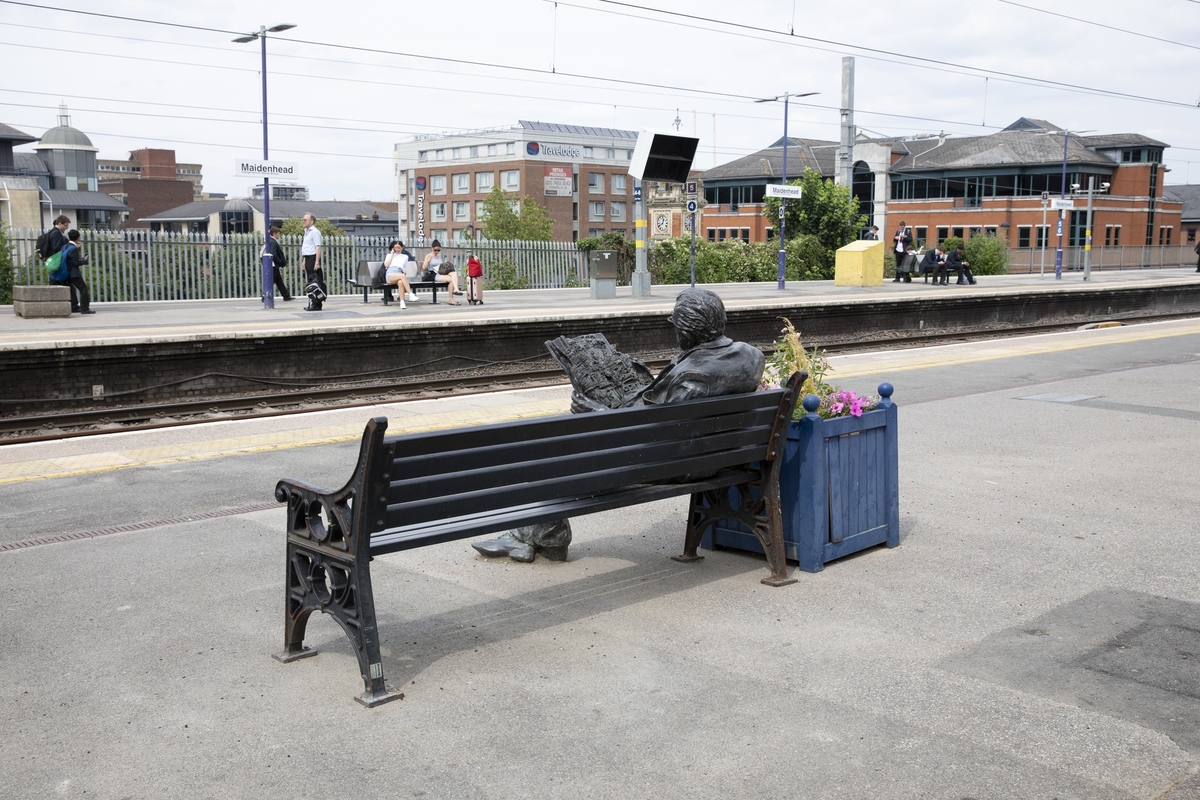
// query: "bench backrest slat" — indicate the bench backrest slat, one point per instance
point(407, 467)
point(435, 442)
point(465, 502)
point(607, 456)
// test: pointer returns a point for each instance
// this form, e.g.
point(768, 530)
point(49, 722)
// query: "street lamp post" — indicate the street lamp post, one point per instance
point(267, 266)
point(1058, 254)
point(783, 200)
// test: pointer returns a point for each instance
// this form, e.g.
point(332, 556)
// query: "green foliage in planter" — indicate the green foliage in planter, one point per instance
point(501, 273)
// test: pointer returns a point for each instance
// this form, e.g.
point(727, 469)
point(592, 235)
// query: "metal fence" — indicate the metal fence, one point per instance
point(1031, 259)
point(136, 265)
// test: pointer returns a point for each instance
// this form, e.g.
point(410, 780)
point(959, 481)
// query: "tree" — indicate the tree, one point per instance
point(824, 210)
point(506, 219)
point(7, 268)
point(294, 226)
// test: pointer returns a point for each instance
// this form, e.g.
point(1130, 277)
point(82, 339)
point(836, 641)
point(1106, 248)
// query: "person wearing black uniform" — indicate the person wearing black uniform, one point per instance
point(931, 261)
point(81, 298)
point(903, 240)
point(954, 261)
point(278, 261)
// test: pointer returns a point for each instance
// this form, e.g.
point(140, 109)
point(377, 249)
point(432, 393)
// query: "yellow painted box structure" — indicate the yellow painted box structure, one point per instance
point(859, 264)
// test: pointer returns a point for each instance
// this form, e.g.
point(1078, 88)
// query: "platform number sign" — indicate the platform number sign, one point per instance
point(637, 194)
point(691, 206)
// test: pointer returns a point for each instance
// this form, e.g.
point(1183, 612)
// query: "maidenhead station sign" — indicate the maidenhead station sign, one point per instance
point(265, 169)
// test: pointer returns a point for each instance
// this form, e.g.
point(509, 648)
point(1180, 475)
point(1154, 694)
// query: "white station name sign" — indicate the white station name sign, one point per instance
point(248, 168)
point(779, 190)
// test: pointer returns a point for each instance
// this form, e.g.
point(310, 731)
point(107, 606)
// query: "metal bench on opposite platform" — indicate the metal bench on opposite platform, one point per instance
point(493, 478)
point(371, 275)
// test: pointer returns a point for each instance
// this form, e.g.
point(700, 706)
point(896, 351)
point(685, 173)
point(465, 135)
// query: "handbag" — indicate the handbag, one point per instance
point(445, 268)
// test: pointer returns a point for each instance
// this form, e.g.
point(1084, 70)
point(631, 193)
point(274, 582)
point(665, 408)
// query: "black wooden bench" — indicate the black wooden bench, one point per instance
point(495, 477)
point(371, 275)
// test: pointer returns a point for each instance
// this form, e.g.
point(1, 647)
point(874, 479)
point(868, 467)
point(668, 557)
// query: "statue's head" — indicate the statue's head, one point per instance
point(699, 317)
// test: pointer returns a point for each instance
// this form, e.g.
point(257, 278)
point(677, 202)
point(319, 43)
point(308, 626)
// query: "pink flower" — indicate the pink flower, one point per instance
point(836, 408)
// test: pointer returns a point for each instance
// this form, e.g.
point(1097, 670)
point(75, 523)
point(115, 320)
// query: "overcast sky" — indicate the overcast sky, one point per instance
point(337, 110)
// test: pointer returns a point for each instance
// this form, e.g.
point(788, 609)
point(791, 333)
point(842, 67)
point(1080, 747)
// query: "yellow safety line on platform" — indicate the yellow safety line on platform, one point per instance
point(68, 466)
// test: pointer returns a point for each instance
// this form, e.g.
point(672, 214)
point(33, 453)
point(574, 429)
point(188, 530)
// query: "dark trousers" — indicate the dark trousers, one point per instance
point(280, 285)
point(81, 298)
point(312, 275)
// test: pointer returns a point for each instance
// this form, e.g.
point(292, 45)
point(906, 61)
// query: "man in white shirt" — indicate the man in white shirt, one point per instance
point(310, 253)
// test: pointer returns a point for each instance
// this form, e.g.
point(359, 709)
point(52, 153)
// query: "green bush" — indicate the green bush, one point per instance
point(8, 268)
point(501, 273)
point(987, 255)
point(735, 261)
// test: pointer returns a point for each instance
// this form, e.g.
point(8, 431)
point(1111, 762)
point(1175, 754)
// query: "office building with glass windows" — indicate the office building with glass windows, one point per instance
point(578, 173)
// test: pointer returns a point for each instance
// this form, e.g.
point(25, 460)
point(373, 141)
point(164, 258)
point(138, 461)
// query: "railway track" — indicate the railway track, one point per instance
point(91, 422)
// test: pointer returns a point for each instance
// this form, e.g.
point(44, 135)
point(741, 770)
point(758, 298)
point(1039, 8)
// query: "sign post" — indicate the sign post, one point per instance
point(1043, 233)
point(1061, 205)
point(691, 208)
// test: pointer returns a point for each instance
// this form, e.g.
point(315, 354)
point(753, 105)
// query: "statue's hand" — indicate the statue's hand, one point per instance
point(584, 405)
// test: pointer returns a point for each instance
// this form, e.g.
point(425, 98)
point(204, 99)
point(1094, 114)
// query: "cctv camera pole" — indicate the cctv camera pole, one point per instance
point(639, 281)
point(1087, 242)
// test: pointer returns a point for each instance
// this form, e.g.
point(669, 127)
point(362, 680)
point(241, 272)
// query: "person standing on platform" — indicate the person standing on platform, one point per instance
point(873, 234)
point(278, 261)
point(310, 252)
point(81, 298)
point(57, 241)
point(903, 239)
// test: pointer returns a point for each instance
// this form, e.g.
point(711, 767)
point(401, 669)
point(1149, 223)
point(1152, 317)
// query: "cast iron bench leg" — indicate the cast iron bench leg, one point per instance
point(762, 515)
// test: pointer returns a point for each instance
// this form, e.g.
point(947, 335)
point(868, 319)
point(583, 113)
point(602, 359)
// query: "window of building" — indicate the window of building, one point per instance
point(594, 232)
point(437, 184)
point(746, 235)
point(610, 153)
point(770, 234)
point(1043, 235)
point(574, 212)
point(1023, 232)
point(596, 211)
point(491, 151)
point(587, 152)
point(629, 155)
point(437, 212)
point(462, 183)
point(575, 182)
point(510, 148)
point(484, 181)
point(439, 234)
point(712, 234)
point(1164, 234)
point(439, 155)
point(989, 230)
point(479, 215)
point(618, 184)
point(722, 234)
point(510, 180)
point(617, 212)
point(456, 152)
point(595, 183)
point(619, 232)
point(957, 232)
point(474, 151)
point(942, 234)
point(1112, 235)
point(919, 235)
point(1191, 235)
point(462, 211)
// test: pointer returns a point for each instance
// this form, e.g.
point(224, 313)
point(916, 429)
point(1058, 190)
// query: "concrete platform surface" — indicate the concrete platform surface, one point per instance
point(133, 323)
point(1034, 636)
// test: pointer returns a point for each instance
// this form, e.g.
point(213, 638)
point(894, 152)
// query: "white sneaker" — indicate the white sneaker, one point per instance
point(412, 296)
point(402, 304)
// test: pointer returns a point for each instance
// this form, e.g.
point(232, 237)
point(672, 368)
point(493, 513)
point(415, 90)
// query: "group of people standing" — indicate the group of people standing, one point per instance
point(70, 272)
point(936, 262)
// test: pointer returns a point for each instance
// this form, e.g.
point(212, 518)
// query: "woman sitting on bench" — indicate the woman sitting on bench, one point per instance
point(394, 264)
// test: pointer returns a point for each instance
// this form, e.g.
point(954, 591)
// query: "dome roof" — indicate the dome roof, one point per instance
point(64, 137)
point(237, 204)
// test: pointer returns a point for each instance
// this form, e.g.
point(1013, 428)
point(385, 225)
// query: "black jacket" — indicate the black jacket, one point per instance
point(278, 259)
point(954, 260)
point(930, 261)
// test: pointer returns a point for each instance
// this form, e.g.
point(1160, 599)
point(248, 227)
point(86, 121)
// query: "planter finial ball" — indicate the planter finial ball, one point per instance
point(812, 403)
point(886, 389)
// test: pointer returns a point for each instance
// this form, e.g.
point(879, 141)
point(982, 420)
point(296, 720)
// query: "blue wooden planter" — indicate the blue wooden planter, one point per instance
point(839, 487)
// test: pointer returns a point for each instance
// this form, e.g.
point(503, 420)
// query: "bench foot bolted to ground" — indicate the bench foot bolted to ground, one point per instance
point(522, 473)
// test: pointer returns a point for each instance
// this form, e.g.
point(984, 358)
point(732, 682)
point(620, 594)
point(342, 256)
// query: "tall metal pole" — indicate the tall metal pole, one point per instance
point(1058, 255)
point(693, 220)
point(640, 280)
point(1087, 234)
point(268, 270)
point(845, 167)
point(1044, 234)
point(783, 201)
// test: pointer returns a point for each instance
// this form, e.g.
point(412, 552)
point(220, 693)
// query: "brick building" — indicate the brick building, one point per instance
point(578, 173)
point(958, 186)
point(155, 164)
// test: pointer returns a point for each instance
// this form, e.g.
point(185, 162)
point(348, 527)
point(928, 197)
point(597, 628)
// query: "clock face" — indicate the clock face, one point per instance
point(662, 223)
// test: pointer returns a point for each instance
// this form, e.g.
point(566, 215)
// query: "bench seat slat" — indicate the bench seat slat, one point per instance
point(430, 443)
point(599, 482)
point(520, 471)
point(416, 467)
point(462, 527)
